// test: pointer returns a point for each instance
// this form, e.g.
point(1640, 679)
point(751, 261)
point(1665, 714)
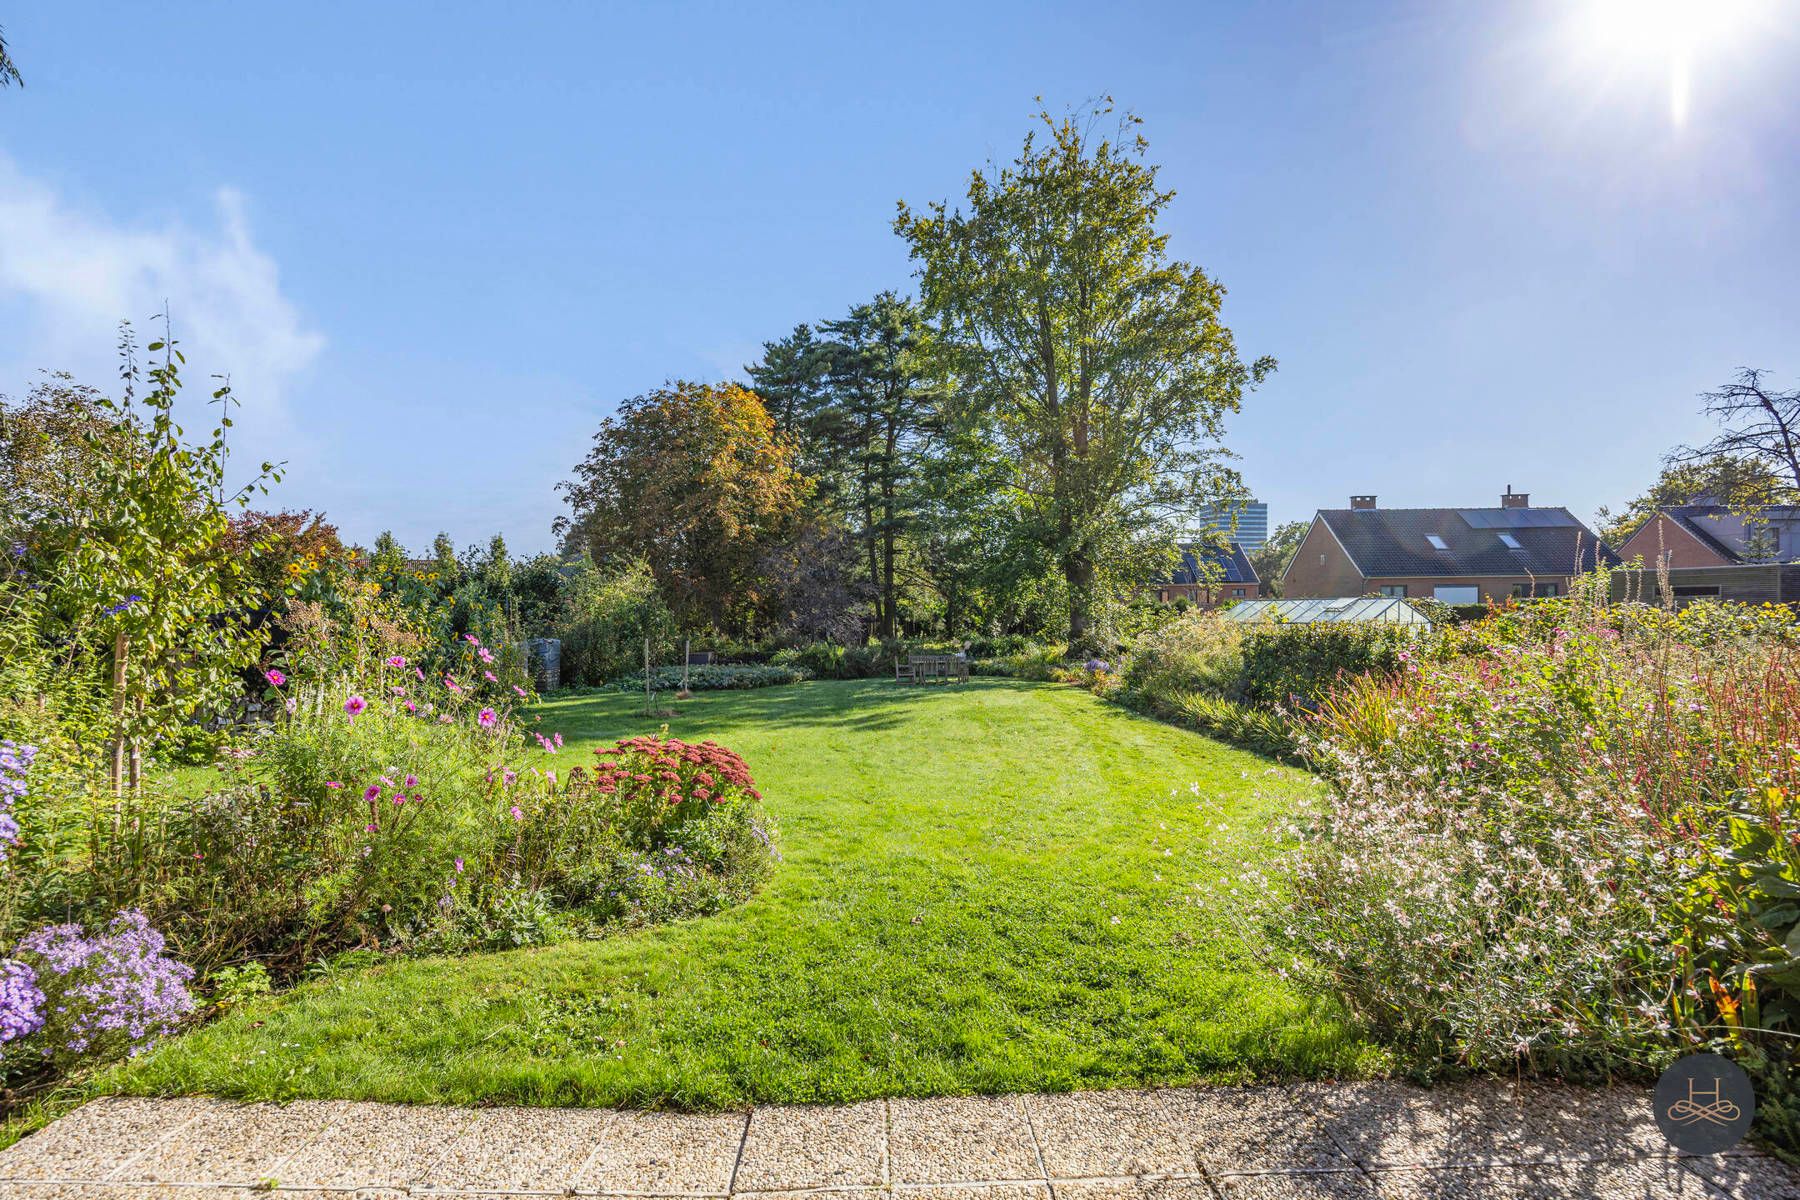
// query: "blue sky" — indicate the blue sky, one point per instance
point(435, 243)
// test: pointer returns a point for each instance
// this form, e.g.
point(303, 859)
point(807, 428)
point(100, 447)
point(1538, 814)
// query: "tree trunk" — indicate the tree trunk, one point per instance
point(1078, 571)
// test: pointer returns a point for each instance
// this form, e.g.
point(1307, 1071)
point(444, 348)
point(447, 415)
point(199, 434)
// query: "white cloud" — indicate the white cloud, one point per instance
point(68, 276)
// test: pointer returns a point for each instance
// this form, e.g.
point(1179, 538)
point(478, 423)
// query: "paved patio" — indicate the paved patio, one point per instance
point(1341, 1141)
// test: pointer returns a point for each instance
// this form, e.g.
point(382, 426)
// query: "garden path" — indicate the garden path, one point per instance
point(1371, 1140)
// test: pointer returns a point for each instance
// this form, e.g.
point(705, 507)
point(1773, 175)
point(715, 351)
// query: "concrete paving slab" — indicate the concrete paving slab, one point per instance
point(227, 1142)
point(1195, 1188)
point(1319, 1185)
point(1752, 1175)
point(1086, 1135)
point(98, 1138)
point(984, 1191)
point(791, 1146)
point(967, 1138)
point(1639, 1179)
point(1396, 1124)
point(374, 1145)
point(665, 1154)
point(181, 1191)
point(519, 1150)
point(1237, 1130)
point(1355, 1141)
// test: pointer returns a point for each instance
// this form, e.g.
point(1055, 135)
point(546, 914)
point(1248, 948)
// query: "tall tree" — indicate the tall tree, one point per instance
point(695, 480)
point(1098, 364)
point(1738, 482)
point(1272, 557)
point(791, 378)
point(882, 397)
point(9, 70)
point(1757, 423)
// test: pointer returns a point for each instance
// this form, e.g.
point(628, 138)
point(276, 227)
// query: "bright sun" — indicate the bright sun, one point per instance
point(1668, 36)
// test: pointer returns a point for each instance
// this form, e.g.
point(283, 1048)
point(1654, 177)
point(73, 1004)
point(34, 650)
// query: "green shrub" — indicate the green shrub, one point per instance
point(715, 678)
point(828, 660)
point(607, 614)
point(1038, 663)
point(1563, 842)
point(1297, 665)
point(1198, 653)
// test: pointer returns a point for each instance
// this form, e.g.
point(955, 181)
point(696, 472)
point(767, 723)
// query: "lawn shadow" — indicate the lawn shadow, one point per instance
point(859, 705)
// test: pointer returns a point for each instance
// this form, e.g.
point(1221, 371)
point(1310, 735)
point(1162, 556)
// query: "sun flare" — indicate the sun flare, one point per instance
point(1666, 38)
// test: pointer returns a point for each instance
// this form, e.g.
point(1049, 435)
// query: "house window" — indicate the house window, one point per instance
point(1549, 589)
point(1238, 592)
point(1456, 594)
point(1396, 590)
point(1525, 591)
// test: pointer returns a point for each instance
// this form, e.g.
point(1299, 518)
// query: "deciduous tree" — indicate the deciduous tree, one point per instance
point(1098, 364)
point(695, 480)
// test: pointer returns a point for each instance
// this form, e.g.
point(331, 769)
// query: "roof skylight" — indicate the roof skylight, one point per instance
point(1510, 542)
point(1437, 543)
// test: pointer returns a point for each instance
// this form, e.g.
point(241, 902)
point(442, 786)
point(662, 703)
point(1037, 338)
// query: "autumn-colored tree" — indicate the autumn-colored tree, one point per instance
point(695, 480)
point(283, 550)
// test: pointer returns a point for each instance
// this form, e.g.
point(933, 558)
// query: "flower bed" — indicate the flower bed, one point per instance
point(1564, 843)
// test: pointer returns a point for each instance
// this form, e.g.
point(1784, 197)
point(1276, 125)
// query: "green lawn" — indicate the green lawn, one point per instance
point(996, 887)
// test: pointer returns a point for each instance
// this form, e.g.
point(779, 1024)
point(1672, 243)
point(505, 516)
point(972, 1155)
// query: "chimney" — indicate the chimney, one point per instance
point(1362, 502)
point(1512, 499)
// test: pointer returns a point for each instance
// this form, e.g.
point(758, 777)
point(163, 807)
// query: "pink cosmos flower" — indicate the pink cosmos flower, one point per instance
point(332, 783)
point(397, 661)
point(471, 639)
point(275, 677)
point(372, 793)
point(369, 828)
point(557, 738)
point(355, 704)
point(489, 676)
point(520, 690)
point(420, 672)
point(486, 655)
point(411, 707)
point(399, 799)
point(487, 718)
point(459, 864)
point(518, 814)
point(412, 781)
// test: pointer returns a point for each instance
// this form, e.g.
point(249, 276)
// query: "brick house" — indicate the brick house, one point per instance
point(1209, 576)
point(1456, 555)
point(1710, 552)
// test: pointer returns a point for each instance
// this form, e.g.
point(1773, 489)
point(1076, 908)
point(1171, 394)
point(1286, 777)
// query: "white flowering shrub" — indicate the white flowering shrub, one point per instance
point(1566, 839)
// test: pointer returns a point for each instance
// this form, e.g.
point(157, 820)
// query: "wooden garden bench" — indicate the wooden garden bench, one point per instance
point(919, 667)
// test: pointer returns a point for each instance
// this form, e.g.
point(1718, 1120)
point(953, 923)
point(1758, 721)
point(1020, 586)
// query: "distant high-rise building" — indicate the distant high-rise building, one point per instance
point(1252, 524)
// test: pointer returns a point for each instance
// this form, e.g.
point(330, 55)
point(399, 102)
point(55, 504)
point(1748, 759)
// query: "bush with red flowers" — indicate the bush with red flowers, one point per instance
point(661, 829)
point(660, 784)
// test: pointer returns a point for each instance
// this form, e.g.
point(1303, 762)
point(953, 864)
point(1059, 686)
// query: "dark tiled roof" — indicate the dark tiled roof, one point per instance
point(1232, 566)
point(1726, 532)
point(1387, 542)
